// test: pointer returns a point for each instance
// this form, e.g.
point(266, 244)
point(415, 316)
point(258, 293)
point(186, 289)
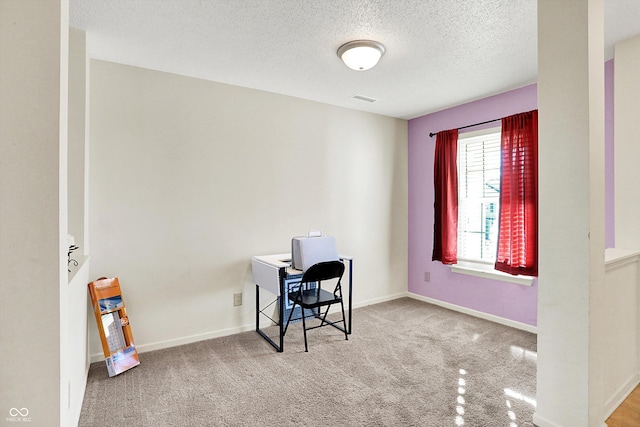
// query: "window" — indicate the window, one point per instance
point(478, 195)
point(471, 235)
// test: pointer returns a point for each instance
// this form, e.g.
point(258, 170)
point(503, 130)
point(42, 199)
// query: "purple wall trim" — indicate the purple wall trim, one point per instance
point(510, 301)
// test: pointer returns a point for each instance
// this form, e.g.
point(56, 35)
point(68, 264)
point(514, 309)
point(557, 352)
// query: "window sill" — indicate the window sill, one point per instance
point(487, 272)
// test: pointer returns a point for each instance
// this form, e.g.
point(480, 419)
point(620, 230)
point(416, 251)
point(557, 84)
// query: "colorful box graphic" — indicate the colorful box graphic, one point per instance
point(113, 326)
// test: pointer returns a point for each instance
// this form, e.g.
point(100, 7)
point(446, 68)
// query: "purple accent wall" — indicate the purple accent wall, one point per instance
point(507, 300)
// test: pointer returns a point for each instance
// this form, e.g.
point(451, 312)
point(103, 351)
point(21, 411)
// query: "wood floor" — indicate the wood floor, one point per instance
point(627, 414)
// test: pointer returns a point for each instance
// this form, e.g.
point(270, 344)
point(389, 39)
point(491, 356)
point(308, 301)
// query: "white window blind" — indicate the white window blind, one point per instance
point(478, 195)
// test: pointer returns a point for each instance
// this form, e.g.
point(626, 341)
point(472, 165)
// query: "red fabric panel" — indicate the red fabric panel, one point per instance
point(518, 226)
point(445, 178)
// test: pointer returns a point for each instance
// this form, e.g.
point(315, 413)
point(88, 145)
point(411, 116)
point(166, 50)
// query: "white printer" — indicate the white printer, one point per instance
point(312, 249)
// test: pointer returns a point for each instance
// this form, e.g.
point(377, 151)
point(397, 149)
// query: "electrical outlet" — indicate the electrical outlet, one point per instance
point(237, 299)
point(427, 276)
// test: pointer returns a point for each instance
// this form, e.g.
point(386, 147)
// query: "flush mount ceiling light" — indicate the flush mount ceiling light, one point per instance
point(361, 55)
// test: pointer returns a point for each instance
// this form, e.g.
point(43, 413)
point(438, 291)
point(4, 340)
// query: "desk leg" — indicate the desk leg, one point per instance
point(350, 293)
point(257, 308)
point(259, 331)
point(280, 347)
point(281, 309)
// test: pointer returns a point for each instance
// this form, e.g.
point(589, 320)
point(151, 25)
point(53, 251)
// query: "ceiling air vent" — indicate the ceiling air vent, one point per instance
point(363, 98)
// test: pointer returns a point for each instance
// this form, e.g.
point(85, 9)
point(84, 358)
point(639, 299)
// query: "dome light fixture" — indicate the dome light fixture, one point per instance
point(361, 55)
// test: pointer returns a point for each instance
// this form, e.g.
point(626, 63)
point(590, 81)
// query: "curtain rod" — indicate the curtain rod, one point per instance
point(431, 134)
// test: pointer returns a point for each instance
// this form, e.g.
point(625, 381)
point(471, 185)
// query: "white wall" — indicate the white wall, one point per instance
point(623, 349)
point(76, 357)
point(33, 206)
point(191, 178)
point(627, 142)
point(78, 67)
point(74, 343)
point(620, 350)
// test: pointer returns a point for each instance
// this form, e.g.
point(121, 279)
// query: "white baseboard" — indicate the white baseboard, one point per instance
point(476, 313)
point(379, 300)
point(612, 403)
point(542, 422)
point(142, 348)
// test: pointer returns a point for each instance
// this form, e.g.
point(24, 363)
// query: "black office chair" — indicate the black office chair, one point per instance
point(313, 299)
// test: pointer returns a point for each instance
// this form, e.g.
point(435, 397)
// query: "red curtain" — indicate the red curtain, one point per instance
point(518, 226)
point(445, 178)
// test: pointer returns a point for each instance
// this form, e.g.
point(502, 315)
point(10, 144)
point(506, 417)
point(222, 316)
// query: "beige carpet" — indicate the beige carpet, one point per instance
point(407, 363)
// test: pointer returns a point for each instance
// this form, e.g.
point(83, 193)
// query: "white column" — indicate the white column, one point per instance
point(33, 117)
point(571, 150)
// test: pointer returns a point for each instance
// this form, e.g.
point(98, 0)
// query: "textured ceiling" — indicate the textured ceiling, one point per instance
point(440, 53)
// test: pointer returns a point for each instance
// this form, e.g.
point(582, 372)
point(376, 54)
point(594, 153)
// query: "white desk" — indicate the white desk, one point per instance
point(269, 273)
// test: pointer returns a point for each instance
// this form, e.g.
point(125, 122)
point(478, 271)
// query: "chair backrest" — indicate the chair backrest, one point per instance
point(323, 271)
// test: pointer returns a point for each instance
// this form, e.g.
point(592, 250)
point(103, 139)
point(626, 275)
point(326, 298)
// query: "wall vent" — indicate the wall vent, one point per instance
point(363, 98)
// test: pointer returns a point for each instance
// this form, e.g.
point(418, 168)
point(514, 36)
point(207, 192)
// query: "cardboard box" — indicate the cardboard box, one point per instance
point(113, 326)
